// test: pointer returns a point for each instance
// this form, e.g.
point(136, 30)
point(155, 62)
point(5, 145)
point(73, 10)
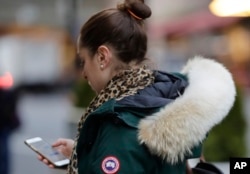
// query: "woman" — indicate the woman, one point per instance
point(141, 121)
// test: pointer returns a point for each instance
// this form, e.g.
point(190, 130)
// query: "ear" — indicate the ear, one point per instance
point(104, 56)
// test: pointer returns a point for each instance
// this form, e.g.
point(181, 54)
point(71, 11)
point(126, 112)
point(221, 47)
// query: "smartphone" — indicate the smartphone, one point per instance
point(44, 149)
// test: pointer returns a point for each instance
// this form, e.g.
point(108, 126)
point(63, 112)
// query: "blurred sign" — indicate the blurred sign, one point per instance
point(30, 61)
point(224, 8)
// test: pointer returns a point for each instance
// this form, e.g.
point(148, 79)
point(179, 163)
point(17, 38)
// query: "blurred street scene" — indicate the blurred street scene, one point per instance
point(43, 94)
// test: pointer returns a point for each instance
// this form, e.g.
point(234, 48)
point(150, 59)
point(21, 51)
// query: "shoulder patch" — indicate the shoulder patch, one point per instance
point(110, 165)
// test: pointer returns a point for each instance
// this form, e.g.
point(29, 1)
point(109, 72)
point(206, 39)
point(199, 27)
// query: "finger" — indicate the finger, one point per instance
point(59, 142)
point(40, 157)
point(46, 161)
point(51, 166)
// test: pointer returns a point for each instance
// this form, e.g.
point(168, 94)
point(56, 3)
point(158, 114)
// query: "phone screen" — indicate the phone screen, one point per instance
point(47, 151)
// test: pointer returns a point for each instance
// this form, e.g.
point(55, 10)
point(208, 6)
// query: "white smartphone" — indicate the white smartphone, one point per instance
point(43, 148)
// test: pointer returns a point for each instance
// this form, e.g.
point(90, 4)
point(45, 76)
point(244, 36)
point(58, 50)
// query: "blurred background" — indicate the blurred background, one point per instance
point(42, 93)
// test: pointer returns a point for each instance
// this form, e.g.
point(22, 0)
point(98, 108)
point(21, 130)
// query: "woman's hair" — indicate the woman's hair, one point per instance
point(122, 28)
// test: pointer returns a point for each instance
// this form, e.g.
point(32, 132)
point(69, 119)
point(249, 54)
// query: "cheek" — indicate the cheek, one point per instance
point(87, 71)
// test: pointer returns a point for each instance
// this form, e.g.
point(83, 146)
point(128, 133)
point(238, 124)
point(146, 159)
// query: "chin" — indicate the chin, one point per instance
point(96, 91)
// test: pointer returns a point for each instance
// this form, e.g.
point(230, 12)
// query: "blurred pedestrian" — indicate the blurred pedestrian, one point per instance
point(141, 120)
point(9, 122)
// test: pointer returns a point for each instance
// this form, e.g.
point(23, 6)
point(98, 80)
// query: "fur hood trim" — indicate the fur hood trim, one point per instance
point(172, 132)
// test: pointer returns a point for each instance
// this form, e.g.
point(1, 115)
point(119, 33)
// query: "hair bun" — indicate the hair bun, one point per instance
point(136, 8)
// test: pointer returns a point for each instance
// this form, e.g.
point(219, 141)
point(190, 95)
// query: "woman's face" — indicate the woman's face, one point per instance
point(91, 70)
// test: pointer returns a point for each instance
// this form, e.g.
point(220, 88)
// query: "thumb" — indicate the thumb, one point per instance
point(59, 142)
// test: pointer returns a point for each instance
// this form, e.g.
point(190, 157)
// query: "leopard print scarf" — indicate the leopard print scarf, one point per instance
point(126, 83)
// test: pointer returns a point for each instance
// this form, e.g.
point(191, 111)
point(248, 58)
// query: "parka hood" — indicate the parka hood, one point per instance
point(184, 122)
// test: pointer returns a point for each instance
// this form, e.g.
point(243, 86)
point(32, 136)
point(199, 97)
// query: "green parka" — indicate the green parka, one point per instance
point(159, 128)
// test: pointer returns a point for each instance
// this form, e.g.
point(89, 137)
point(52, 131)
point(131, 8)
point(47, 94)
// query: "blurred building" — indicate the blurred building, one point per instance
point(47, 27)
point(36, 56)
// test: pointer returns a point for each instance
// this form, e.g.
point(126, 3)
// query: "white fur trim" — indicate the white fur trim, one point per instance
point(174, 130)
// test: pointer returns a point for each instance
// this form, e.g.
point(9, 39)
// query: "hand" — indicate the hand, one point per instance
point(64, 146)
